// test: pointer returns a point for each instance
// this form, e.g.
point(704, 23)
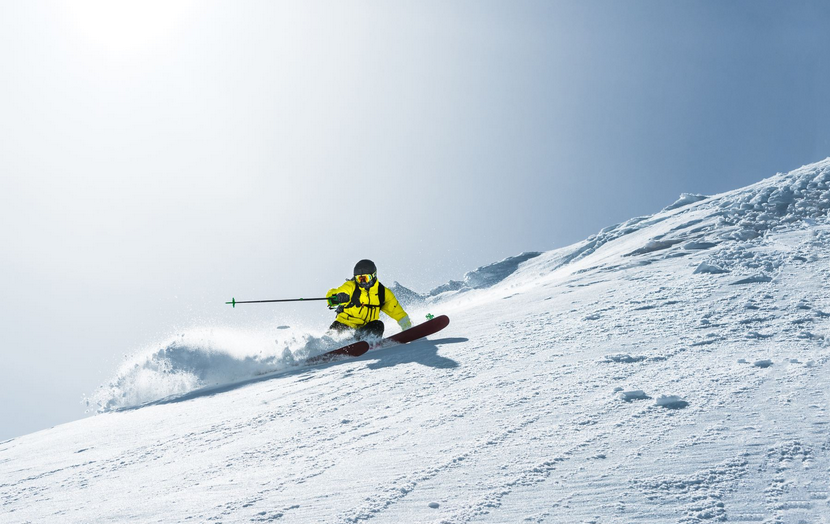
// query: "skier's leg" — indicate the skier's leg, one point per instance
point(372, 329)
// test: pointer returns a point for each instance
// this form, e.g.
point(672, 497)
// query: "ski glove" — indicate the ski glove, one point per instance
point(405, 323)
point(340, 298)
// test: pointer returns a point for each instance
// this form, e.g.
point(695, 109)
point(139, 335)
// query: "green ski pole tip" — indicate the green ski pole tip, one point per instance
point(232, 302)
point(430, 316)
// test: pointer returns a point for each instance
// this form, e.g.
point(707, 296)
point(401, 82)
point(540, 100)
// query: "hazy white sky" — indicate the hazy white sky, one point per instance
point(158, 158)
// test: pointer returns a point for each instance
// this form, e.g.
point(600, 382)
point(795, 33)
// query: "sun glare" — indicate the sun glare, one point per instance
point(126, 26)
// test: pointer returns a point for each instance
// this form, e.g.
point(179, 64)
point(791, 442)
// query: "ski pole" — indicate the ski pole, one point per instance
point(234, 302)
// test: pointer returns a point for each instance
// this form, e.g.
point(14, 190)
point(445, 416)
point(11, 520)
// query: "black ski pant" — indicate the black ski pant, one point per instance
point(371, 329)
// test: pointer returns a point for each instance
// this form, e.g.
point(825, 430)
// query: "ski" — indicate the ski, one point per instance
point(434, 325)
point(360, 347)
point(354, 349)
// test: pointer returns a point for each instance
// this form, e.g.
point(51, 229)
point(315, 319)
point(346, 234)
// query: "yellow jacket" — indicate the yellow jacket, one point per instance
point(365, 305)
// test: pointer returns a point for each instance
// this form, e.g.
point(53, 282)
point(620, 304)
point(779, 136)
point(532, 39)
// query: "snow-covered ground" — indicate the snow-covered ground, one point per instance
point(673, 368)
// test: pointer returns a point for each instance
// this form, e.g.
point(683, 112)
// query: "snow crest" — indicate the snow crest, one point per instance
point(486, 276)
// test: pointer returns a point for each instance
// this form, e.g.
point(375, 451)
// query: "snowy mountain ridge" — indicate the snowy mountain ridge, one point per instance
point(732, 222)
point(671, 368)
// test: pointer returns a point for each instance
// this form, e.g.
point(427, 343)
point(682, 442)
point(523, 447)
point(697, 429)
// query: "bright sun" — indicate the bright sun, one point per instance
point(126, 25)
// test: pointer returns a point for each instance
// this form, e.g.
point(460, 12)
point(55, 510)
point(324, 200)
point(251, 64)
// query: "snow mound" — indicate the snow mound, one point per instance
point(203, 358)
point(486, 276)
point(636, 394)
point(741, 220)
point(684, 200)
point(781, 199)
point(670, 402)
point(712, 269)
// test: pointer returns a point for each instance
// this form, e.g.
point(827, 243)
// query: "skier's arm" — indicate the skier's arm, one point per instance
point(346, 289)
point(393, 308)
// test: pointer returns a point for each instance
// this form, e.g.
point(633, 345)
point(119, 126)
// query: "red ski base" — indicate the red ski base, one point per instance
point(414, 333)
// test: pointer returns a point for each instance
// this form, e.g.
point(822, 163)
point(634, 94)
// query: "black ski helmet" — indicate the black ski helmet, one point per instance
point(366, 267)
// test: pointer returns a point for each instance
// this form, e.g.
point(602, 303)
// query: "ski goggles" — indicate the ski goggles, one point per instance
point(364, 279)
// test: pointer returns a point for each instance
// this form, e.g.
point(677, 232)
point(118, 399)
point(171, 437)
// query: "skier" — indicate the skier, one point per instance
point(360, 300)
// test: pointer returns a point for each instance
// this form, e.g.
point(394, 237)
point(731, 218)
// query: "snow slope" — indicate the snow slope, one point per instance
point(672, 368)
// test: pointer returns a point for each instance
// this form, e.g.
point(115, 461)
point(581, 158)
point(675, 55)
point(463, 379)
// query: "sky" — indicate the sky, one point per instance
point(158, 158)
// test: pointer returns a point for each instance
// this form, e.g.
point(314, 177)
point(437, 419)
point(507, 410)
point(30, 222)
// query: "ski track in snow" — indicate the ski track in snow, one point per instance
point(607, 382)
